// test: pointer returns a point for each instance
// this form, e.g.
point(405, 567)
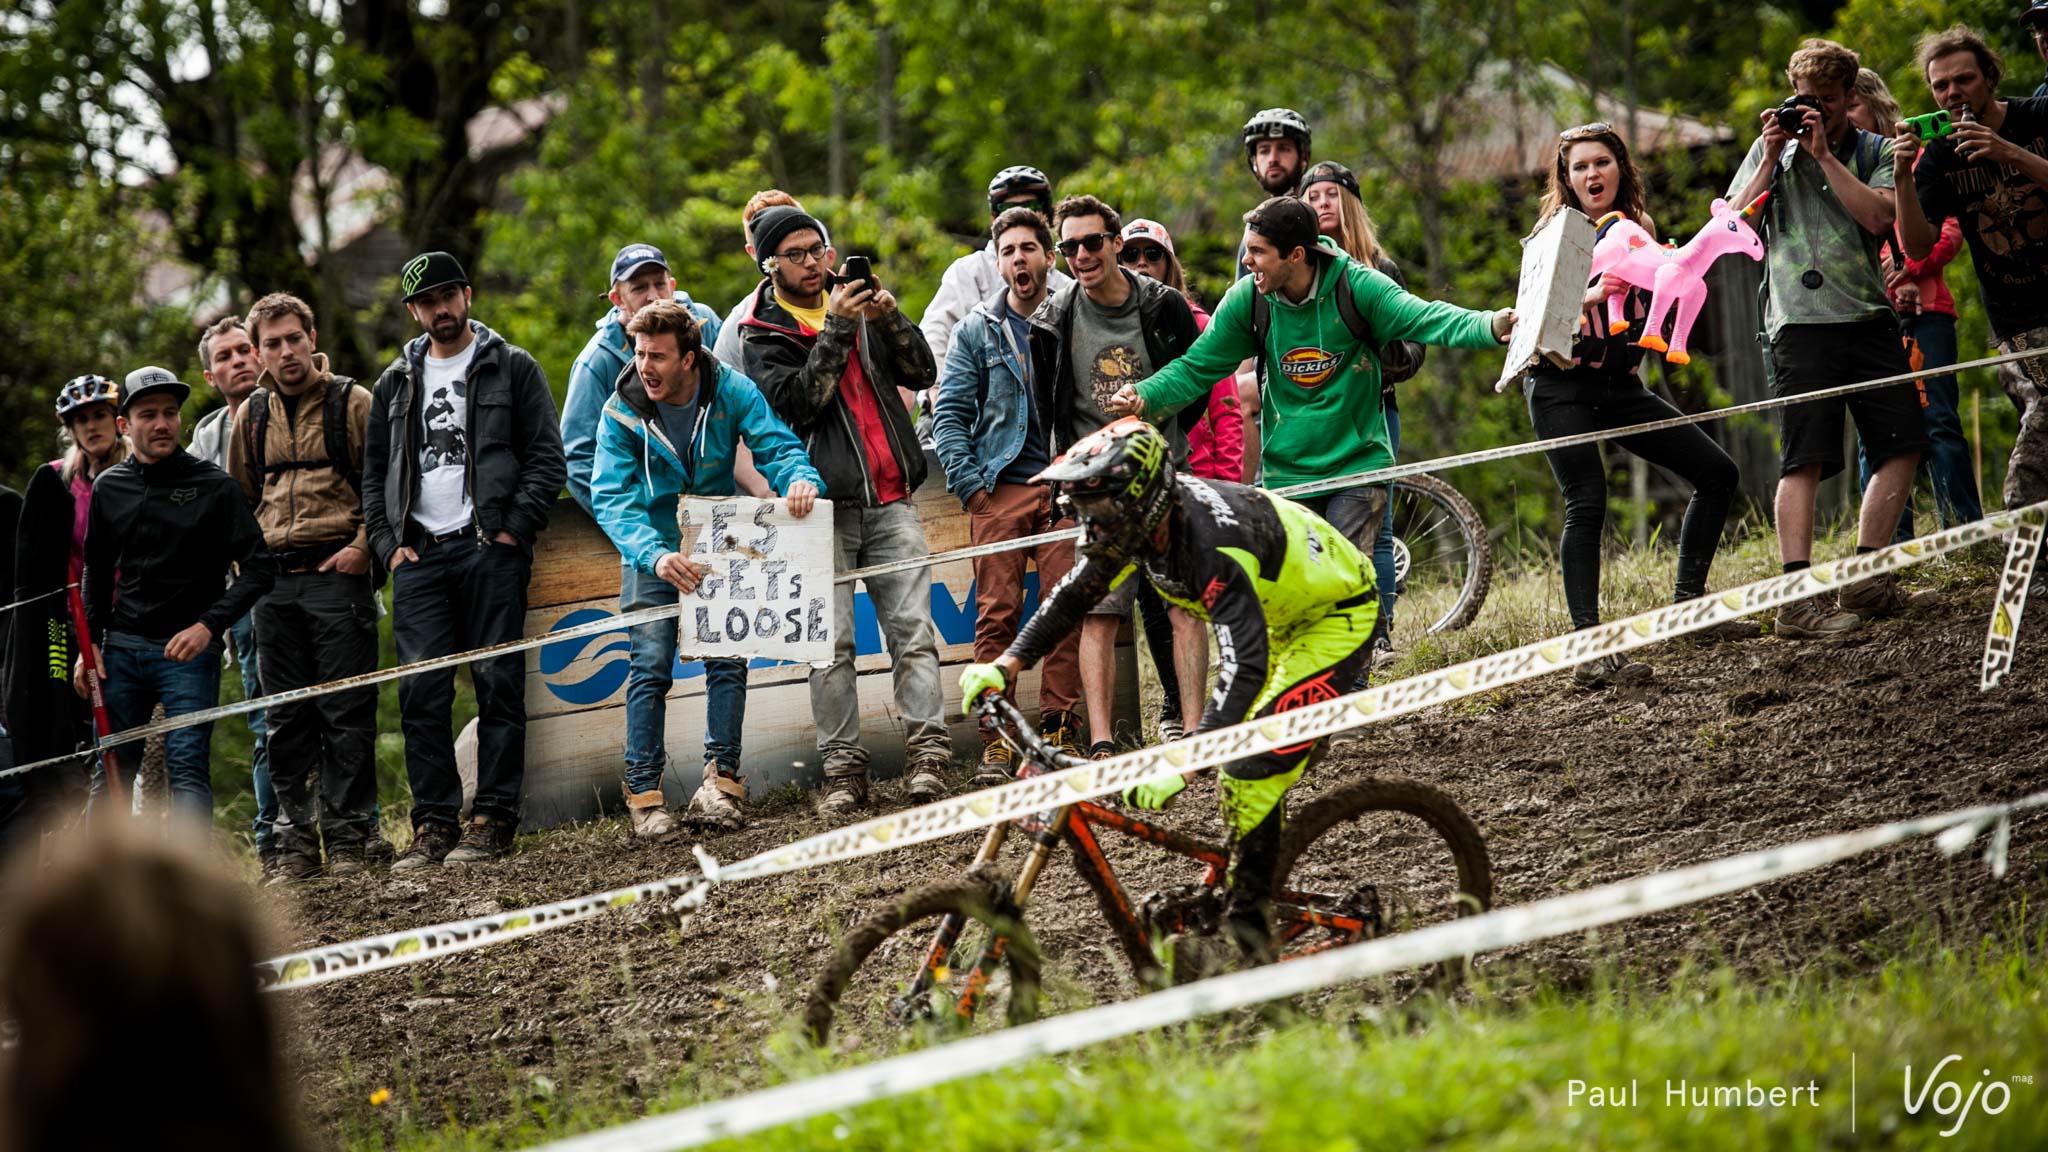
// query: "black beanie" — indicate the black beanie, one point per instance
point(773, 225)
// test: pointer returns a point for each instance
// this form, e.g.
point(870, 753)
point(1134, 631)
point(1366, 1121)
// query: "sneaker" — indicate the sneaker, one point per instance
point(1170, 727)
point(926, 783)
point(716, 803)
point(1613, 668)
point(1102, 750)
point(1879, 596)
point(846, 792)
point(486, 838)
point(1061, 729)
point(998, 765)
point(1814, 619)
point(1383, 652)
point(347, 860)
point(648, 812)
point(430, 845)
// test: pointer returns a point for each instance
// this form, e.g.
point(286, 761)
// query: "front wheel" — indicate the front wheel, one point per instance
point(1443, 558)
point(1373, 857)
point(917, 960)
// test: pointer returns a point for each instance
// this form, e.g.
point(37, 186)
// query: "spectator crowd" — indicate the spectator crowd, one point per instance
point(264, 543)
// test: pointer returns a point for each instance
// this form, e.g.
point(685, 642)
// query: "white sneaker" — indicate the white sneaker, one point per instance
point(716, 804)
point(649, 814)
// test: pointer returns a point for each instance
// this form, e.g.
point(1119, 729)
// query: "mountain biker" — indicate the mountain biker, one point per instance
point(1290, 599)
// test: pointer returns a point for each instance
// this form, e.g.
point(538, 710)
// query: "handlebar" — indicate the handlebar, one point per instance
point(1010, 722)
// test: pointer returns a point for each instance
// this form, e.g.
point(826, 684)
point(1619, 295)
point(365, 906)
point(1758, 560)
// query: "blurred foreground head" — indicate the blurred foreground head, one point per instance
point(127, 966)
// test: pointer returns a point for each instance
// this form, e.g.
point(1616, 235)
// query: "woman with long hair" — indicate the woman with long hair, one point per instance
point(1927, 315)
point(1332, 190)
point(1594, 175)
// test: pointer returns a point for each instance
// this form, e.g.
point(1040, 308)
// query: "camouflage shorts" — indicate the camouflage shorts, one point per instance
point(2026, 383)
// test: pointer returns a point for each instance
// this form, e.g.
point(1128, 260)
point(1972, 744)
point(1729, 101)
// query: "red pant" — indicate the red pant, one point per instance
point(1009, 512)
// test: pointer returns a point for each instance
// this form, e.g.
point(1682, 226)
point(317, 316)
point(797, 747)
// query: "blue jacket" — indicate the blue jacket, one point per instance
point(640, 474)
point(979, 417)
point(591, 380)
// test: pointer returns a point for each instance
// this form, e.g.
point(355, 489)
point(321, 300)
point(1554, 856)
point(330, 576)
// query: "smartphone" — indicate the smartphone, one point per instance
point(858, 268)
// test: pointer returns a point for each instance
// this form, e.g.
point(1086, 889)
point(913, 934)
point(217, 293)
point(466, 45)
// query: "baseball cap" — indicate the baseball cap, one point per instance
point(2037, 12)
point(428, 271)
point(143, 381)
point(1150, 230)
point(1289, 224)
point(634, 257)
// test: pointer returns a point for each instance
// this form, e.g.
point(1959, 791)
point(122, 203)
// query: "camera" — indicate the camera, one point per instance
point(858, 269)
point(1790, 121)
point(1932, 126)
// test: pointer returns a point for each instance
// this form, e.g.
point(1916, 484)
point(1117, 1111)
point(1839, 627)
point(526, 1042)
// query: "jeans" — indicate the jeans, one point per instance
point(456, 596)
point(311, 628)
point(264, 826)
point(653, 673)
point(138, 678)
point(1947, 463)
point(1566, 404)
point(903, 607)
point(1383, 544)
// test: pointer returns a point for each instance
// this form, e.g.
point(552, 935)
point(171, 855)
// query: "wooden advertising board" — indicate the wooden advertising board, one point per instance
point(1556, 264)
point(576, 690)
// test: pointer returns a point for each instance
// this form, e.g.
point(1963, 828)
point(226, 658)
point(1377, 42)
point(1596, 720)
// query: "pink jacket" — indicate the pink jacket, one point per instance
point(1216, 445)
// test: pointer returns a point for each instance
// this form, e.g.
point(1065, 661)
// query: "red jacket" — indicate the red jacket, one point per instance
point(1930, 274)
point(1216, 444)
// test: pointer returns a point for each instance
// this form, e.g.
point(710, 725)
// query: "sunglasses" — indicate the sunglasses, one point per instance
point(1149, 254)
point(1093, 242)
point(1596, 128)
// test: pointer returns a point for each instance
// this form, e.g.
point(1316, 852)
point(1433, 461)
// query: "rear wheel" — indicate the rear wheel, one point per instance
point(1374, 857)
point(1443, 559)
point(867, 984)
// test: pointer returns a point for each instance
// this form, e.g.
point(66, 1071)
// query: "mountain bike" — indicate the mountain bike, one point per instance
point(1443, 557)
point(1363, 859)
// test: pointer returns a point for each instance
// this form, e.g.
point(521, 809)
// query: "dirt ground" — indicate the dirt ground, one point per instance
point(1733, 746)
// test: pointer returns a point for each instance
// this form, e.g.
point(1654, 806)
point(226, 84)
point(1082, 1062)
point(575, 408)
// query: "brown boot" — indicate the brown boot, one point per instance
point(846, 792)
point(648, 812)
point(927, 780)
point(716, 803)
point(1879, 596)
point(1815, 619)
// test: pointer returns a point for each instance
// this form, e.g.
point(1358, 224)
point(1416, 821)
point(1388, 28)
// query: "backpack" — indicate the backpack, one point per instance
point(334, 432)
point(1399, 359)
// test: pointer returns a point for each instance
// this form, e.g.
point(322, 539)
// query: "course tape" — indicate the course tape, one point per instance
point(27, 600)
point(1458, 939)
point(2014, 580)
point(981, 809)
point(649, 615)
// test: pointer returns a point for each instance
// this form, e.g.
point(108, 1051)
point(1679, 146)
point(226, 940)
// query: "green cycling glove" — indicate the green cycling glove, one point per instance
point(976, 679)
point(1153, 795)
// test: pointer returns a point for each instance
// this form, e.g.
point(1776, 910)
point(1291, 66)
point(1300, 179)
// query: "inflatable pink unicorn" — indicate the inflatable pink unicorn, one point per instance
point(1672, 275)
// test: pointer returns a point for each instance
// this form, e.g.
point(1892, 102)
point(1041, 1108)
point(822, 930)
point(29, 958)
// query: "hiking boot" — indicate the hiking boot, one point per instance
point(1879, 596)
point(1815, 619)
point(293, 866)
point(486, 838)
point(648, 812)
point(846, 792)
point(1060, 729)
point(716, 803)
point(1383, 652)
point(1613, 668)
point(347, 860)
point(926, 783)
point(266, 863)
point(430, 845)
point(1102, 750)
point(378, 851)
point(998, 765)
point(1170, 727)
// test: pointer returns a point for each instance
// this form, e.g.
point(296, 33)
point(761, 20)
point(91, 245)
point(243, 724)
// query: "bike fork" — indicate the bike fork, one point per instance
point(950, 926)
point(1044, 838)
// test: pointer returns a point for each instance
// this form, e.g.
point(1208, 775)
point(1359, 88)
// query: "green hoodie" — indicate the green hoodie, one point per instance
point(1321, 417)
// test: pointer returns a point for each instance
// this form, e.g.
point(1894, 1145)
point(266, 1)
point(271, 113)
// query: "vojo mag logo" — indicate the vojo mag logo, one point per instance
point(1308, 366)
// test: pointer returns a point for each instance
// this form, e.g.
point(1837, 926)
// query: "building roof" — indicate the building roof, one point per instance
point(1515, 116)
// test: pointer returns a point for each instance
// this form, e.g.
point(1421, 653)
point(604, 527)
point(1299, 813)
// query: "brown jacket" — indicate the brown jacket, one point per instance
point(302, 508)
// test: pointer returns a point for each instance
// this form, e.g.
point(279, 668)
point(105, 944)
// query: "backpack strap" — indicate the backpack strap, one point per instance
point(257, 408)
point(1347, 307)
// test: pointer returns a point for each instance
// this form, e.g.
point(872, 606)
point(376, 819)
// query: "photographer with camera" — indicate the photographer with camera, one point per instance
point(839, 362)
point(1828, 322)
point(1991, 174)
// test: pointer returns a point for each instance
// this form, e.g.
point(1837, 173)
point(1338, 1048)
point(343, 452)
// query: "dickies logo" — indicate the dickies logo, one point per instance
point(1309, 367)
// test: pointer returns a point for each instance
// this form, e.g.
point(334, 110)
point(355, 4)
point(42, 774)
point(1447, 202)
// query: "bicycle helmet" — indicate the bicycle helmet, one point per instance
point(1125, 460)
point(1016, 180)
point(1273, 124)
point(86, 390)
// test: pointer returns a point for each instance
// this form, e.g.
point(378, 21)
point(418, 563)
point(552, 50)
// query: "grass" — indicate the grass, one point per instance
point(1483, 1074)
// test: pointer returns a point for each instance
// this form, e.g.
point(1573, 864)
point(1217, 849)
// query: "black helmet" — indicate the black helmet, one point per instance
point(1125, 460)
point(82, 391)
point(2034, 13)
point(1021, 178)
point(1272, 124)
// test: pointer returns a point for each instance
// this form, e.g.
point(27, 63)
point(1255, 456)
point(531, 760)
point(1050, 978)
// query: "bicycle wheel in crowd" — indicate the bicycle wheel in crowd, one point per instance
point(866, 985)
point(1394, 855)
point(1443, 559)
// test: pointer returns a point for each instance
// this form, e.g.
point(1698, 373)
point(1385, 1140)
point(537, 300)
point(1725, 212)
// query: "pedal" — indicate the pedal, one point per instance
point(1186, 910)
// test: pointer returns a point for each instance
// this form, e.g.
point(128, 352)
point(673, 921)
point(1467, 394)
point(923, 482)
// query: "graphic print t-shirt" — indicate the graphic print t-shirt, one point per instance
point(2004, 217)
point(444, 505)
point(1108, 353)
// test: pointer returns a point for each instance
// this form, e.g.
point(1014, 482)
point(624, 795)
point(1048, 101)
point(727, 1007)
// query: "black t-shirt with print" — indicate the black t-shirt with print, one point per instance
point(2004, 217)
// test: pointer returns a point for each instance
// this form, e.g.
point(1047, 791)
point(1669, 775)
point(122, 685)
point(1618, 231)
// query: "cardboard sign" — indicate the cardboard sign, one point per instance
point(769, 588)
point(1556, 264)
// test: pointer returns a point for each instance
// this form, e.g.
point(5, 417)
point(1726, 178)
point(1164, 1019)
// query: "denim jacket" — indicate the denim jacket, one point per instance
point(979, 417)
